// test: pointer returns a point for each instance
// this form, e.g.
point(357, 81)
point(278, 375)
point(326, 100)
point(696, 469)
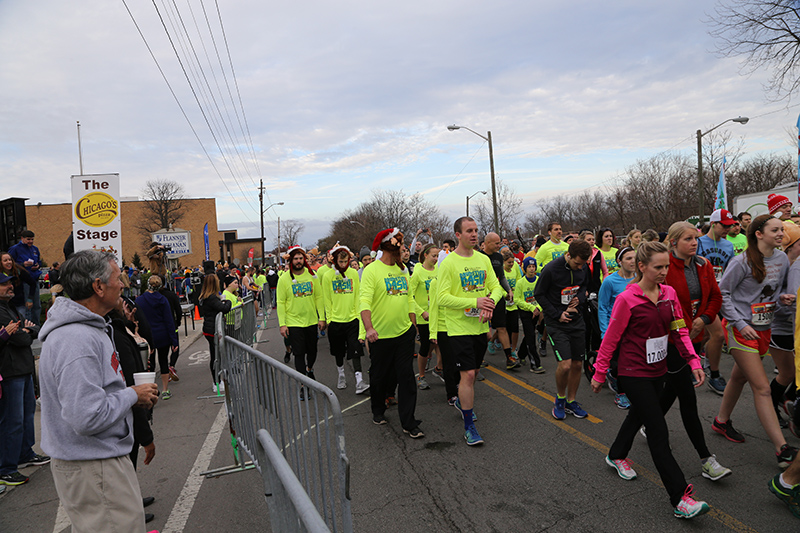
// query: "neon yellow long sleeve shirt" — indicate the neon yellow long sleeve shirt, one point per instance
point(384, 292)
point(523, 294)
point(462, 280)
point(420, 288)
point(436, 316)
point(549, 251)
point(300, 302)
point(341, 295)
point(512, 278)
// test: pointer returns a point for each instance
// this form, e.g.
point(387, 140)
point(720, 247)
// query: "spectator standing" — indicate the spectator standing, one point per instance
point(27, 255)
point(157, 311)
point(22, 280)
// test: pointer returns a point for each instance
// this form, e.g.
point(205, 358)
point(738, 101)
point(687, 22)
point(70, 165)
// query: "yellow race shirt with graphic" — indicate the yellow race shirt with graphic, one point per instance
point(523, 294)
point(300, 302)
point(420, 289)
point(512, 278)
point(462, 280)
point(436, 316)
point(549, 251)
point(341, 295)
point(611, 259)
point(385, 292)
point(323, 271)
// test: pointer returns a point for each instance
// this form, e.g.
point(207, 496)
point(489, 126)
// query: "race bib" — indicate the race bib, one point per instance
point(762, 313)
point(472, 312)
point(568, 294)
point(718, 273)
point(657, 349)
point(695, 305)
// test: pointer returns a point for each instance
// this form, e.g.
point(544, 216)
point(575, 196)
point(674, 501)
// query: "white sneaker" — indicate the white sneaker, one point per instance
point(623, 468)
point(342, 382)
point(688, 507)
point(713, 470)
point(362, 387)
point(220, 388)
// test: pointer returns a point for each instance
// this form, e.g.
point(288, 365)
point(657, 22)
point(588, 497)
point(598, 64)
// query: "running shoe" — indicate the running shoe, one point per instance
point(472, 437)
point(422, 384)
point(457, 405)
point(612, 383)
point(341, 383)
point(622, 401)
point(575, 409)
point(642, 432)
point(218, 388)
point(166, 395)
point(13, 479)
point(794, 417)
point(362, 387)
point(558, 409)
point(790, 497)
point(415, 433)
point(688, 507)
point(726, 430)
point(378, 420)
point(484, 363)
point(287, 356)
point(479, 376)
point(438, 372)
point(717, 385)
point(173, 374)
point(623, 468)
point(713, 470)
point(310, 373)
point(542, 345)
point(786, 455)
point(538, 369)
point(452, 401)
point(492, 348)
point(391, 401)
point(2, 489)
point(36, 460)
point(511, 363)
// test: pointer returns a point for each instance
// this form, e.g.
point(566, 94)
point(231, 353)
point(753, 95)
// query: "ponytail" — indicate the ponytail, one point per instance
point(645, 253)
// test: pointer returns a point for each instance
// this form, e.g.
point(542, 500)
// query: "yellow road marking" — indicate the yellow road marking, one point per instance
point(720, 516)
point(534, 390)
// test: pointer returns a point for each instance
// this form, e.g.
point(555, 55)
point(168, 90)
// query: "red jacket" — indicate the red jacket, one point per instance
point(711, 300)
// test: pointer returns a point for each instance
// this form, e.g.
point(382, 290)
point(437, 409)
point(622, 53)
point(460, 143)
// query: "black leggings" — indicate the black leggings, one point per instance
point(679, 385)
point(451, 374)
point(304, 347)
point(424, 339)
point(343, 337)
point(528, 344)
point(644, 394)
point(163, 359)
point(212, 349)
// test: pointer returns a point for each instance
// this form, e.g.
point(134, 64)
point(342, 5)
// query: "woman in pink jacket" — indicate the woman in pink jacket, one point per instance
point(644, 317)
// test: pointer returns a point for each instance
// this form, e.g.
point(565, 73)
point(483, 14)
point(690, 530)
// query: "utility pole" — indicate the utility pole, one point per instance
point(261, 203)
point(279, 241)
point(80, 152)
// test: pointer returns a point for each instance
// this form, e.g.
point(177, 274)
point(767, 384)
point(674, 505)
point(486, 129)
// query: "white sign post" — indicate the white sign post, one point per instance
point(96, 213)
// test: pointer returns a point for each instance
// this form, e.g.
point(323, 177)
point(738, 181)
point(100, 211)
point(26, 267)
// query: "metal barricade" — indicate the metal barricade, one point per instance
point(304, 420)
point(240, 321)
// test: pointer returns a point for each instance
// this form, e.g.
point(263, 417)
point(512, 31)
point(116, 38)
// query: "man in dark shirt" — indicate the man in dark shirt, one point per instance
point(491, 247)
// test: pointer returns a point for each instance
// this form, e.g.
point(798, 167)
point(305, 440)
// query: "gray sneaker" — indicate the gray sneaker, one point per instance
point(422, 384)
point(717, 385)
point(713, 470)
point(362, 387)
point(342, 382)
point(479, 376)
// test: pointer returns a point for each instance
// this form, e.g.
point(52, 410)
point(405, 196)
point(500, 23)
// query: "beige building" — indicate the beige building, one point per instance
point(52, 225)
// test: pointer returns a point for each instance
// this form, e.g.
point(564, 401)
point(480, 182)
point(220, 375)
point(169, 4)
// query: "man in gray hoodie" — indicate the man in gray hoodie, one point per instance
point(87, 424)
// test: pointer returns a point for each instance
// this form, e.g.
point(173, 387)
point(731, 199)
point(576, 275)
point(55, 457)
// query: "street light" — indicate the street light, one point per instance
point(469, 197)
point(700, 134)
point(261, 203)
point(359, 223)
point(488, 139)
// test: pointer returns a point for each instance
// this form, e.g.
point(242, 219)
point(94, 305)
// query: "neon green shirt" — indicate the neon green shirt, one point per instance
point(739, 243)
point(462, 280)
point(435, 314)
point(549, 251)
point(513, 277)
point(341, 295)
point(300, 302)
point(420, 289)
point(260, 280)
point(523, 294)
point(384, 291)
point(611, 259)
point(236, 302)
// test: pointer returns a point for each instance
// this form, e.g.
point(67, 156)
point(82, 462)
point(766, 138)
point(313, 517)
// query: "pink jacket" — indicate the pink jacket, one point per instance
point(639, 331)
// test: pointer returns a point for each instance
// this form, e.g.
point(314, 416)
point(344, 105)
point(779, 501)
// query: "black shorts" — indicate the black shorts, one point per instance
point(782, 342)
point(468, 350)
point(499, 314)
point(512, 321)
point(567, 343)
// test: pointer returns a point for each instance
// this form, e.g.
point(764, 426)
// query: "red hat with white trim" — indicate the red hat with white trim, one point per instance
point(723, 216)
point(337, 247)
point(775, 201)
point(297, 249)
point(384, 236)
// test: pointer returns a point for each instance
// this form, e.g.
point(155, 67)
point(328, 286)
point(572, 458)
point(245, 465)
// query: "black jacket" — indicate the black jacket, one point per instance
point(556, 278)
point(209, 308)
point(130, 360)
point(16, 356)
point(174, 305)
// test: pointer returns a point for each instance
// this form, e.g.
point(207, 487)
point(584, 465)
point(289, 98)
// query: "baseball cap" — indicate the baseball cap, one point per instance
point(723, 216)
point(6, 278)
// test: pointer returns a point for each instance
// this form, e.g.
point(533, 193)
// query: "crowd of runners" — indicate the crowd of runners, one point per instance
point(649, 313)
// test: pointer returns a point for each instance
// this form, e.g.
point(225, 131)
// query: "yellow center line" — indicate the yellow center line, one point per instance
point(720, 516)
point(534, 390)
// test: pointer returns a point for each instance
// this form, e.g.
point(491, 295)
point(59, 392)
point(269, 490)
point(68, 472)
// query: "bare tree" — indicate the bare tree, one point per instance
point(164, 206)
point(765, 33)
point(290, 233)
point(509, 209)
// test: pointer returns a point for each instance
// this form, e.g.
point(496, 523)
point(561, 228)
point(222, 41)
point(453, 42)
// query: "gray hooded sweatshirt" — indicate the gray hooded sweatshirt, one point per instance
point(86, 407)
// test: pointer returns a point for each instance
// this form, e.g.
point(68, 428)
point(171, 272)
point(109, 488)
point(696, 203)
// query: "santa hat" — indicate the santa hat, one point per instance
point(335, 264)
point(384, 236)
point(297, 249)
point(337, 247)
point(775, 201)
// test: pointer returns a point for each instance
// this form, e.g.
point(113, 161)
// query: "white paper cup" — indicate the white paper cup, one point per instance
point(140, 378)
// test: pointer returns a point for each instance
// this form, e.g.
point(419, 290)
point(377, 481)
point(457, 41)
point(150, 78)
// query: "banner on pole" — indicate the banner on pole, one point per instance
point(205, 239)
point(721, 202)
point(96, 213)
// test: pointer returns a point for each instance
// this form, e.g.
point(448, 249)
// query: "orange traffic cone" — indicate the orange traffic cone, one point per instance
point(196, 313)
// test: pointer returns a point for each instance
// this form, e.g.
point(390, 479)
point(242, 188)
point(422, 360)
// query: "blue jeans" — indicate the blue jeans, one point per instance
point(17, 407)
point(35, 312)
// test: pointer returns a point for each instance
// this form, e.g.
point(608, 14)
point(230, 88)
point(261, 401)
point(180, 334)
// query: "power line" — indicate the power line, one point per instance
point(459, 173)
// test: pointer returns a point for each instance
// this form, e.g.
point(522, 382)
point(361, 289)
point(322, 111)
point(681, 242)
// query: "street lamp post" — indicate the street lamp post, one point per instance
point(700, 134)
point(488, 139)
point(261, 203)
point(471, 196)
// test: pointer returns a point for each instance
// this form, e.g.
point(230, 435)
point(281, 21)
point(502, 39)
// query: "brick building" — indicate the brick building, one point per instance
point(52, 224)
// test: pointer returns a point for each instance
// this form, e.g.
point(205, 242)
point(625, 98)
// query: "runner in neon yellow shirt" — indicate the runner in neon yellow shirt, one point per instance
point(424, 273)
point(468, 291)
point(387, 311)
point(529, 313)
point(513, 273)
point(605, 243)
point(446, 366)
point(301, 310)
point(552, 249)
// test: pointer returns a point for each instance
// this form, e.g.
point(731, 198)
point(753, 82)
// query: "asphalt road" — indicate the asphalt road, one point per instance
point(532, 474)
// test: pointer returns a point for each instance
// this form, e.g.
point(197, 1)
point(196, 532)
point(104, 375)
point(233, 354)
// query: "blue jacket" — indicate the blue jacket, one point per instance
point(21, 252)
point(158, 312)
point(612, 287)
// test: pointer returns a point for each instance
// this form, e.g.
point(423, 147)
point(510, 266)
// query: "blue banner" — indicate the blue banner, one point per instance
point(205, 239)
point(721, 201)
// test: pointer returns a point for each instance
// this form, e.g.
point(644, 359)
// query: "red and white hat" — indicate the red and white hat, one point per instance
point(337, 247)
point(723, 216)
point(775, 201)
point(297, 249)
point(384, 236)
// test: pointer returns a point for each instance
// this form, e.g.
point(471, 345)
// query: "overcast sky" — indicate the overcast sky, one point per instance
point(345, 97)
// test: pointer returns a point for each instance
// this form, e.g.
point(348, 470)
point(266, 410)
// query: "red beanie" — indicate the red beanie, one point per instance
point(775, 201)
